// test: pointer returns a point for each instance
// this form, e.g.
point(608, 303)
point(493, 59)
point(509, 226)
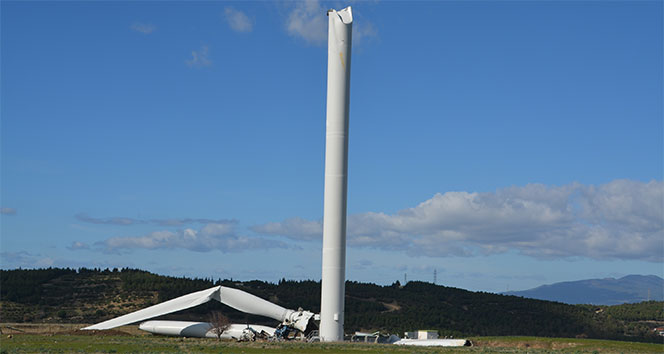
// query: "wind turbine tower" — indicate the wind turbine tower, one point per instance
point(340, 26)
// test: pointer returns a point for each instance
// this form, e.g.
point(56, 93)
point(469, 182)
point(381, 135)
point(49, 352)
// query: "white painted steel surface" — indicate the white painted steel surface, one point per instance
point(178, 328)
point(177, 304)
point(434, 342)
point(254, 305)
point(234, 298)
point(336, 179)
point(199, 329)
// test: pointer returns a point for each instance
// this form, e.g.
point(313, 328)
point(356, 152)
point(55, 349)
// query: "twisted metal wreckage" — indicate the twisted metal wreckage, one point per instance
point(294, 323)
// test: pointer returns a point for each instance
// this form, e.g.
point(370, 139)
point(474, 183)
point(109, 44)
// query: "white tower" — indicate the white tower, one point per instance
point(340, 25)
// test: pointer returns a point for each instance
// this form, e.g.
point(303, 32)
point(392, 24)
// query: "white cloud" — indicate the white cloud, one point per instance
point(7, 211)
point(200, 58)
point(124, 221)
point(25, 259)
point(363, 30)
point(237, 20)
point(217, 229)
point(307, 20)
point(296, 228)
point(220, 237)
point(144, 28)
point(619, 220)
point(76, 245)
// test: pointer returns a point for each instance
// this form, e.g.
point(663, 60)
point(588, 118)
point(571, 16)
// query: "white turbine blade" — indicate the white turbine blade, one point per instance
point(200, 329)
point(434, 342)
point(178, 328)
point(177, 304)
point(254, 305)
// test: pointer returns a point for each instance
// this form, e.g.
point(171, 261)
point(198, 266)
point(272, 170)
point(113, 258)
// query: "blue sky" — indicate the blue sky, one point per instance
point(504, 144)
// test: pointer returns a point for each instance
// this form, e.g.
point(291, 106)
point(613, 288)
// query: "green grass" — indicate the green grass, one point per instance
point(568, 345)
point(59, 343)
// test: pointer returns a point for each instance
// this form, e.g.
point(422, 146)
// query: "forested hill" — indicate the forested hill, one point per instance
point(94, 295)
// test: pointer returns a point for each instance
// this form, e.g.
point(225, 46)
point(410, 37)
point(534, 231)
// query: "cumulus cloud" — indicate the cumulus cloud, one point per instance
point(214, 236)
point(622, 219)
point(237, 20)
point(200, 58)
point(7, 211)
point(144, 28)
point(307, 20)
point(125, 221)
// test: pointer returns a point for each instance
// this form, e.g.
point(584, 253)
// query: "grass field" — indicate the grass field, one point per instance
point(129, 340)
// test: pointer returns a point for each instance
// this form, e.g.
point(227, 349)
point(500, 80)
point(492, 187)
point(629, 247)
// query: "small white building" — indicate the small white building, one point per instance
point(422, 334)
point(427, 334)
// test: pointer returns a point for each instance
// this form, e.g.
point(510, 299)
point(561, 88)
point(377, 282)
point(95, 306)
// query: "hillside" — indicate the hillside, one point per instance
point(609, 291)
point(90, 296)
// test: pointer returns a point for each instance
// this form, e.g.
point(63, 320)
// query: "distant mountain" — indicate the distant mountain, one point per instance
point(608, 291)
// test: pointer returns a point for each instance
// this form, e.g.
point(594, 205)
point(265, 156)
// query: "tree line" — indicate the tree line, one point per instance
point(92, 295)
